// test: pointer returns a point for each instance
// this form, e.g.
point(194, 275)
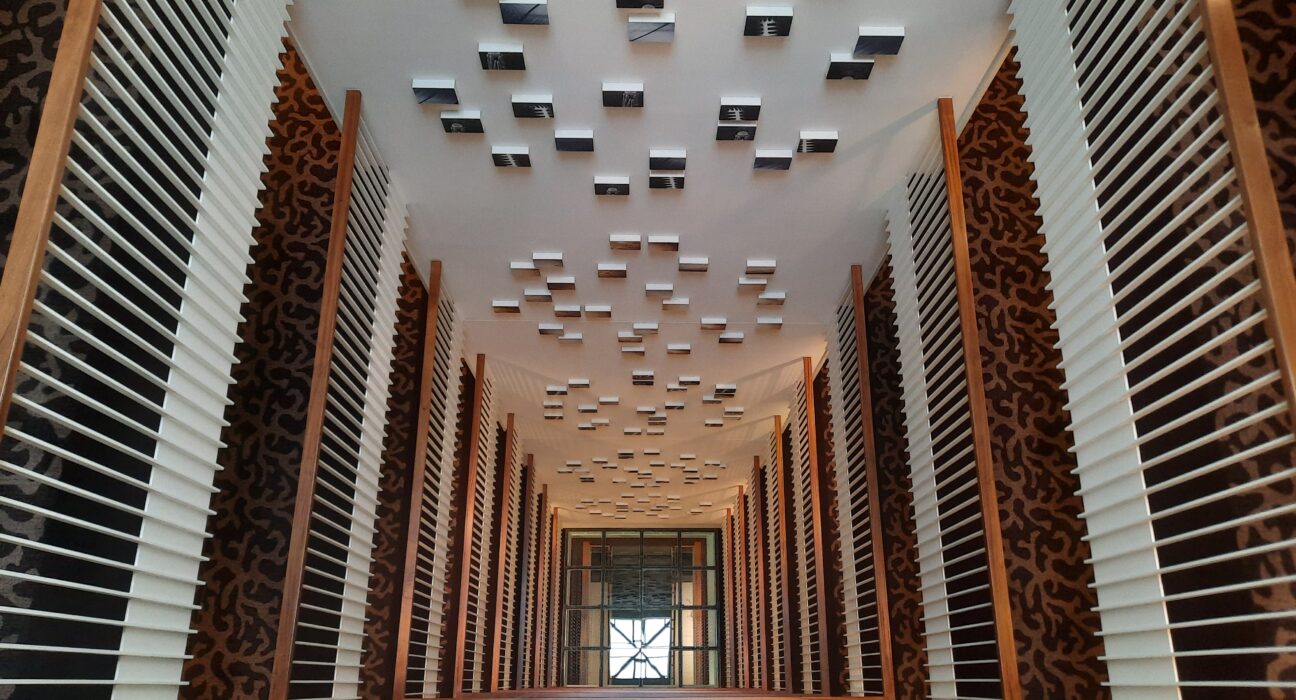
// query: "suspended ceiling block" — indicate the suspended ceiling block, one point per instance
point(817, 142)
point(843, 66)
point(645, 327)
point(735, 131)
point(587, 408)
point(506, 306)
point(651, 29)
point(632, 350)
point(690, 380)
point(649, 451)
point(533, 106)
point(567, 310)
point(511, 156)
point(435, 91)
point(501, 56)
point(551, 329)
point(585, 426)
point(675, 303)
point(667, 158)
point(646, 410)
point(694, 263)
point(553, 415)
point(611, 270)
point(524, 267)
point(732, 337)
point(734, 411)
point(581, 140)
point(773, 159)
point(771, 298)
point(537, 294)
point(615, 185)
point(761, 266)
point(652, 288)
point(724, 390)
point(675, 405)
point(628, 337)
point(623, 94)
point(752, 282)
point(740, 109)
point(713, 423)
point(642, 377)
point(708, 399)
point(609, 400)
point(556, 390)
point(675, 387)
point(570, 337)
point(637, 4)
point(624, 241)
point(464, 121)
point(664, 241)
point(883, 41)
point(632, 431)
point(769, 321)
point(578, 382)
point(767, 21)
point(553, 404)
point(598, 311)
point(665, 181)
point(678, 348)
point(714, 323)
point(524, 11)
point(560, 282)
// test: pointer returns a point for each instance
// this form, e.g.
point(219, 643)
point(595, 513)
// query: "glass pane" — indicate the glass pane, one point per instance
point(699, 628)
point(584, 587)
point(696, 587)
point(623, 549)
point(584, 628)
point(640, 648)
point(582, 667)
point(660, 548)
point(658, 588)
point(699, 668)
point(698, 549)
point(623, 588)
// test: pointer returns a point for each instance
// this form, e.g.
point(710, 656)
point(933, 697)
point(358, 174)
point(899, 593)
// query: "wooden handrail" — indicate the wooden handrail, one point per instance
point(26, 255)
point(294, 574)
point(989, 501)
point(469, 516)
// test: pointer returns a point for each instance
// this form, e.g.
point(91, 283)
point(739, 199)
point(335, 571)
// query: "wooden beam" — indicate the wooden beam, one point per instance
point(501, 559)
point(555, 590)
point(522, 615)
point(537, 624)
point(314, 431)
point(762, 592)
point(746, 637)
point(1265, 228)
point(27, 245)
point(816, 524)
point(469, 516)
point(418, 474)
point(871, 483)
point(791, 631)
point(998, 573)
point(731, 571)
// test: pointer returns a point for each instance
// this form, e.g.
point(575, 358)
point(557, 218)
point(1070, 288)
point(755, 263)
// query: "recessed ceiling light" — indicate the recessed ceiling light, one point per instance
point(574, 139)
point(667, 159)
point(613, 185)
point(773, 159)
point(435, 91)
point(713, 323)
point(766, 21)
point(551, 329)
point(624, 241)
point(817, 142)
point(739, 109)
point(623, 94)
point(570, 337)
point(501, 56)
point(511, 156)
point(464, 121)
point(843, 66)
point(879, 41)
point(658, 288)
point(771, 298)
point(651, 29)
point(678, 348)
point(694, 263)
point(524, 11)
point(611, 270)
point(567, 310)
point(664, 241)
point(675, 303)
point(732, 337)
point(769, 321)
point(761, 266)
point(506, 306)
point(564, 282)
point(533, 106)
point(537, 294)
point(525, 266)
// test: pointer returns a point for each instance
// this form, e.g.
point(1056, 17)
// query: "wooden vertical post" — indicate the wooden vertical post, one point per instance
point(501, 559)
point(555, 593)
point(762, 592)
point(816, 524)
point(26, 255)
point(998, 573)
point(791, 631)
point(521, 615)
point(745, 637)
point(418, 474)
point(538, 642)
point(1259, 197)
point(871, 483)
point(469, 515)
point(730, 572)
point(300, 536)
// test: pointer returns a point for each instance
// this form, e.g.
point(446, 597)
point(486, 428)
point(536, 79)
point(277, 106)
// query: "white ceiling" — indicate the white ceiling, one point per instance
point(815, 219)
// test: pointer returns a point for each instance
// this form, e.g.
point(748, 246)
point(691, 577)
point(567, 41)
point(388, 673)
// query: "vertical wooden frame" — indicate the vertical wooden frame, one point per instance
point(763, 655)
point(817, 526)
point(730, 573)
point(526, 537)
point(295, 571)
point(871, 482)
point(539, 650)
point(791, 631)
point(501, 559)
point(740, 553)
point(418, 474)
point(26, 254)
point(1265, 229)
point(469, 515)
point(555, 597)
point(997, 568)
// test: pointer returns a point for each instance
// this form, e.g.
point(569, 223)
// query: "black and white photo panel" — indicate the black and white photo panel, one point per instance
point(501, 56)
point(651, 29)
point(740, 109)
point(435, 91)
point(773, 159)
point(844, 66)
point(511, 156)
point(464, 121)
point(533, 106)
point(735, 131)
point(612, 185)
point(666, 158)
point(764, 20)
point(524, 11)
point(574, 139)
point(879, 41)
point(665, 181)
point(817, 142)
point(623, 94)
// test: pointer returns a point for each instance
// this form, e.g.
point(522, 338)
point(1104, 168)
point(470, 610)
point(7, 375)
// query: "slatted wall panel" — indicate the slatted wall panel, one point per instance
point(330, 622)
point(962, 658)
point(778, 633)
point(440, 484)
point(756, 586)
point(110, 441)
point(477, 637)
point(728, 571)
point(805, 562)
point(555, 590)
point(863, 648)
point(542, 586)
point(512, 503)
point(524, 633)
point(1183, 432)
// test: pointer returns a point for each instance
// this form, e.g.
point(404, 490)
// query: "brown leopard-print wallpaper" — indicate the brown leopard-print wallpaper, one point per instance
point(1052, 602)
point(387, 570)
point(237, 616)
point(1268, 31)
point(895, 494)
point(833, 623)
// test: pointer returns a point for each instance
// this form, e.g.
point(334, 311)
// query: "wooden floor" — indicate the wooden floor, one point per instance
point(638, 693)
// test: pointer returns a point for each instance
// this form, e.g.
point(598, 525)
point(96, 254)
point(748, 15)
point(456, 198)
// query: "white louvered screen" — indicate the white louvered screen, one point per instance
point(863, 653)
point(777, 634)
point(477, 635)
point(759, 635)
point(109, 449)
point(962, 659)
point(330, 626)
point(511, 502)
point(805, 560)
point(1183, 438)
point(437, 492)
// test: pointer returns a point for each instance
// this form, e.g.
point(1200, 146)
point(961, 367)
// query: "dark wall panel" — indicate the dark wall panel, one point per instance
point(1268, 31)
